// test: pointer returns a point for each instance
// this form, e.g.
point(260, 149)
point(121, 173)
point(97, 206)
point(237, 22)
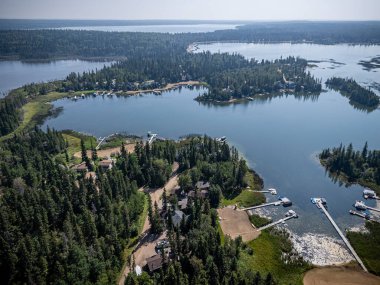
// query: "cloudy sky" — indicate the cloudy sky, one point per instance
point(192, 9)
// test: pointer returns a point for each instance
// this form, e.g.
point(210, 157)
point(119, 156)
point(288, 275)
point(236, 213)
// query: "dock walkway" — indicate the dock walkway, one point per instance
point(277, 203)
point(275, 223)
point(342, 236)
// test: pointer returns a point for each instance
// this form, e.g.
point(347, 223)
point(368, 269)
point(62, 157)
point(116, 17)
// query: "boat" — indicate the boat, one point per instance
point(82, 96)
point(360, 205)
point(285, 201)
point(272, 191)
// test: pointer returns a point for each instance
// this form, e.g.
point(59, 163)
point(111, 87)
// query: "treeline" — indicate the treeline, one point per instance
point(57, 227)
point(227, 76)
point(53, 44)
point(361, 167)
point(359, 96)
point(10, 115)
point(208, 160)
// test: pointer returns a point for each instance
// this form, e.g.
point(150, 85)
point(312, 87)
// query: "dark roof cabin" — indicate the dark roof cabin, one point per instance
point(155, 262)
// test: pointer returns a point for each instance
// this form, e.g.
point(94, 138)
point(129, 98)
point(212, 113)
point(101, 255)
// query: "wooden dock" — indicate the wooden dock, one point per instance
point(276, 222)
point(320, 205)
point(277, 203)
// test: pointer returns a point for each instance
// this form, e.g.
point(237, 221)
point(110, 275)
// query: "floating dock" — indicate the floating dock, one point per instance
point(290, 215)
point(277, 203)
point(360, 205)
point(320, 205)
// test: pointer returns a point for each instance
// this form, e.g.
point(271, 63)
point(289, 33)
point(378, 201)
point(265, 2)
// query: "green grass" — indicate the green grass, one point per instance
point(245, 199)
point(367, 245)
point(36, 109)
point(266, 257)
point(259, 221)
point(134, 241)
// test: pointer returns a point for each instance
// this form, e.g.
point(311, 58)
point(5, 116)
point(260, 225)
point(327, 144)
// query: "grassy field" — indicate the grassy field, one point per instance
point(266, 257)
point(38, 108)
point(133, 241)
point(259, 221)
point(367, 245)
point(247, 198)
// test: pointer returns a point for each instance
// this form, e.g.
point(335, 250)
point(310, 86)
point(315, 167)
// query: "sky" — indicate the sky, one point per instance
point(192, 9)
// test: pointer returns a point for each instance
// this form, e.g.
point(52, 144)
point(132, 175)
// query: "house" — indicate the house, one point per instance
point(183, 204)
point(106, 164)
point(201, 185)
point(90, 174)
point(177, 217)
point(200, 194)
point(155, 262)
point(82, 167)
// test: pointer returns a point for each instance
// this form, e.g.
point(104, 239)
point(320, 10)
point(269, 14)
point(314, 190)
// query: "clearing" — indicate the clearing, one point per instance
point(236, 223)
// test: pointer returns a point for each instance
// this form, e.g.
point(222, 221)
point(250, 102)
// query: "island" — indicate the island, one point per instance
point(350, 166)
point(359, 96)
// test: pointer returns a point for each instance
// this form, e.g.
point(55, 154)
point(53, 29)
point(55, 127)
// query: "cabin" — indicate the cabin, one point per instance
point(182, 205)
point(155, 262)
point(200, 194)
point(80, 168)
point(106, 164)
point(177, 217)
point(90, 174)
point(201, 185)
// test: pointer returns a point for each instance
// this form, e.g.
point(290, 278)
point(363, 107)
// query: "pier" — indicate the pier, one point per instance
point(291, 215)
point(364, 216)
point(100, 142)
point(277, 203)
point(152, 137)
point(321, 206)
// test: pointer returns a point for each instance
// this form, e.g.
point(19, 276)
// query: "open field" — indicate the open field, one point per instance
point(107, 152)
point(236, 223)
point(267, 258)
point(339, 276)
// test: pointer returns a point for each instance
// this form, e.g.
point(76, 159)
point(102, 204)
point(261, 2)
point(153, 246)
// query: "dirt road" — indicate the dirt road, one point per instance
point(147, 242)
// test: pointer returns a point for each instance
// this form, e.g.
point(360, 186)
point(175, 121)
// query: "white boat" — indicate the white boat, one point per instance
point(360, 205)
point(272, 191)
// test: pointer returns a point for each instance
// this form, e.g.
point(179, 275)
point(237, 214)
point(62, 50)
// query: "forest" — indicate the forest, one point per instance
point(359, 96)
point(54, 44)
point(61, 227)
point(350, 166)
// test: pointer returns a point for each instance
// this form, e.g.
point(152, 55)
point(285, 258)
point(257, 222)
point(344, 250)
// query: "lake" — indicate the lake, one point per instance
point(14, 74)
point(279, 137)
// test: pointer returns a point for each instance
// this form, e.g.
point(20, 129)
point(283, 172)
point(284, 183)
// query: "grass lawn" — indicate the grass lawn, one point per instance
point(247, 198)
point(38, 108)
point(259, 221)
point(133, 241)
point(367, 245)
point(266, 258)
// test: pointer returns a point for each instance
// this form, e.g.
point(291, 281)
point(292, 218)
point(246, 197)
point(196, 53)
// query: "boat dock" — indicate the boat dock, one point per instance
point(291, 215)
point(364, 216)
point(277, 203)
point(360, 205)
point(152, 137)
point(321, 206)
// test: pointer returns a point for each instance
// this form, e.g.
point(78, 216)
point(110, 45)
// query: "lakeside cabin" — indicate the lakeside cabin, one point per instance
point(80, 168)
point(155, 262)
point(106, 164)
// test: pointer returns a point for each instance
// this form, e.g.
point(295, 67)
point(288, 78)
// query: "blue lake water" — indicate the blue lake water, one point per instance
point(279, 137)
point(15, 74)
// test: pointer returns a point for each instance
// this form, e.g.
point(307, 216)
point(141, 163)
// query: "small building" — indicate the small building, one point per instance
point(90, 174)
point(177, 217)
point(201, 185)
point(182, 205)
point(106, 164)
point(200, 194)
point(155, 262)
point(81, 168)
